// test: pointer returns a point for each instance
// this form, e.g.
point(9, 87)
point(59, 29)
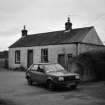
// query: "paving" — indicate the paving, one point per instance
point(15, 91)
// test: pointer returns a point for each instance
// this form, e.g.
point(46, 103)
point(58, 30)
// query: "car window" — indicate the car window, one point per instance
point(34, 68)
point(53, 68)
point(40, 68)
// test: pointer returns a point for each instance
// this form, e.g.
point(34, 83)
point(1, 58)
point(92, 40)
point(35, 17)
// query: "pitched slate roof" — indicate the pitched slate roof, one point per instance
point(52, 38)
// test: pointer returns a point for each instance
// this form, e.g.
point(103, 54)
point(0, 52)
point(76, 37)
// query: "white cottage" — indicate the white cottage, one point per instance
point(53, 47)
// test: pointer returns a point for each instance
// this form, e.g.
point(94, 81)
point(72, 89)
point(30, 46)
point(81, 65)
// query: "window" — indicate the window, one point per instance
point(44, 55)
point(70, 56)
point(17, 57)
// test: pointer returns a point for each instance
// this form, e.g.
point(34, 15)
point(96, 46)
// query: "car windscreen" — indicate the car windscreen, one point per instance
point(53, 68)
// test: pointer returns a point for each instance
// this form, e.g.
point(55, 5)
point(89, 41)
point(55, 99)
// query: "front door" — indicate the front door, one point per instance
point(29, 58)
point(69, 60)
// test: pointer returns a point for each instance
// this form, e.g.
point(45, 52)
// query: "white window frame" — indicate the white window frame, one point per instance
point(44, 55)
point(17, 57)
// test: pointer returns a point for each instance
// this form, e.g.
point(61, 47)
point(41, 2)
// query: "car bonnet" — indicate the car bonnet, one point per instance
point(63, 73)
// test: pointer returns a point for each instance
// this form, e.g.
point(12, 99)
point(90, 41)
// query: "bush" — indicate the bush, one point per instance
point(95, 61)
point(6, 64)
point(21, 68)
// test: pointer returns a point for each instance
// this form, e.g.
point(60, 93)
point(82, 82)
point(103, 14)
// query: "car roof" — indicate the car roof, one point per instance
point(44, 63)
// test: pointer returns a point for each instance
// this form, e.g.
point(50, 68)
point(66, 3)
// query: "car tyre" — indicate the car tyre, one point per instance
point(50, 85)
point(29, 81)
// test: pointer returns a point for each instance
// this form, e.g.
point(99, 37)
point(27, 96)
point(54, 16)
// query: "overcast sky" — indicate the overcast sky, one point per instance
point(48, 15)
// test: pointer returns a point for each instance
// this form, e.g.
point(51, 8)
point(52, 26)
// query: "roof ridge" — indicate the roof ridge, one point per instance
point(83, 27)
point(45, 32)
point(58, 31)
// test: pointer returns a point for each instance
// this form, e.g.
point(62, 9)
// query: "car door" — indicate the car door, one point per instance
point(33, 73)
point(41, 75)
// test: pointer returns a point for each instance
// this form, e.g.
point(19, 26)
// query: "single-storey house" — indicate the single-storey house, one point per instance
point(53, 47)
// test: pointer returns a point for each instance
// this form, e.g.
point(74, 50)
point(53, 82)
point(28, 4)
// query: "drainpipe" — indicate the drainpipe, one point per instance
point(77, 51)
point(65, 57)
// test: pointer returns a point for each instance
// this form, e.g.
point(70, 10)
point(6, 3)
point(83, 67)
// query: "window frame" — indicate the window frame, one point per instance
point(17, 57)
point(44, 55)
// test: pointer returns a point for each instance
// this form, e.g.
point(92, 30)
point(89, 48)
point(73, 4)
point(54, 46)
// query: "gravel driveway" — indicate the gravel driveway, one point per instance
point(15, 91)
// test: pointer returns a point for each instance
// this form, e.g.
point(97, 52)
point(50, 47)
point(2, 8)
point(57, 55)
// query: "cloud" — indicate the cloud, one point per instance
point(48, 15)
point(7, 41)
point(7, 32)
point(13, 6)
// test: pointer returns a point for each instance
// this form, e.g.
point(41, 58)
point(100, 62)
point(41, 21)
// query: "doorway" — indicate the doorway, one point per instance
point(29, 58)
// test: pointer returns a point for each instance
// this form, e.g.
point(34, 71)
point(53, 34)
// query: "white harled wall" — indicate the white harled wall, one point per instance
point(53, 51)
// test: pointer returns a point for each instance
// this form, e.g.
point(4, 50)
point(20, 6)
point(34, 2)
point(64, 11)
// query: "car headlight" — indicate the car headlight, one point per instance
point(77, 77)
point(60, 78)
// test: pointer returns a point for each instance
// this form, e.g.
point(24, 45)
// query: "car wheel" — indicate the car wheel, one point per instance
point(29, 81)
point(50, 85)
